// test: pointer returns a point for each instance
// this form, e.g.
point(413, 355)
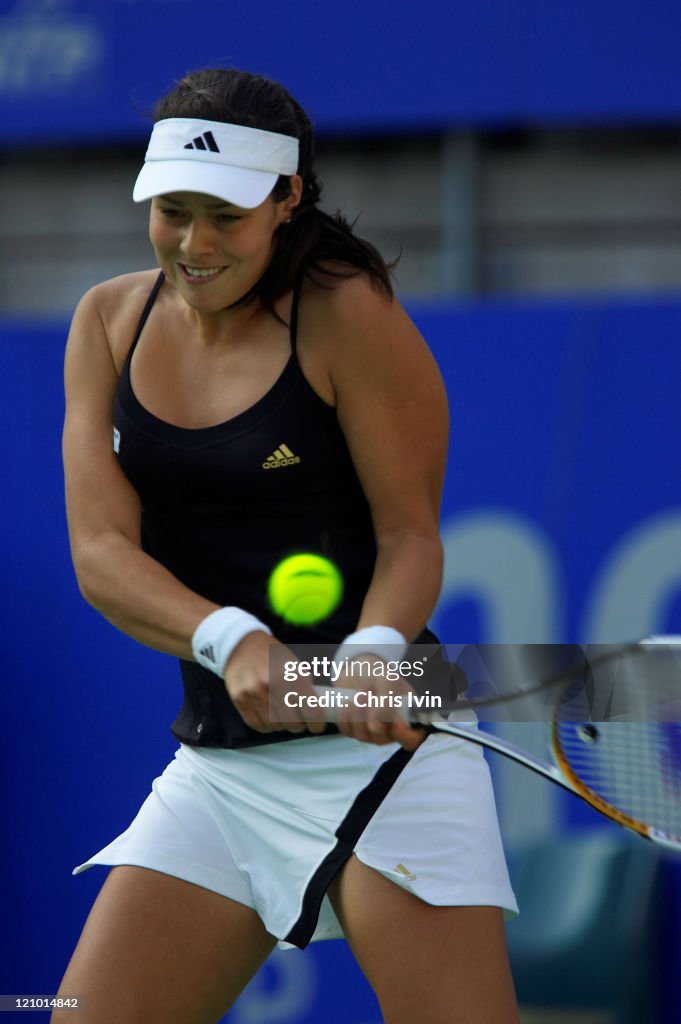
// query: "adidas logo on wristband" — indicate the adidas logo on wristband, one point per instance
point(219, 633)
point(208, 652)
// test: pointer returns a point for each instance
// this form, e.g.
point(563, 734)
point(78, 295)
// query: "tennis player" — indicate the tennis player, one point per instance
point(263, 393)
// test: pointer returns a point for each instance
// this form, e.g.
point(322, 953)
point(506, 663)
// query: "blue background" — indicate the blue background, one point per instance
point(76, 69)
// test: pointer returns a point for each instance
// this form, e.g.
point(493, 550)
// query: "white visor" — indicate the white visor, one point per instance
point(237, 164)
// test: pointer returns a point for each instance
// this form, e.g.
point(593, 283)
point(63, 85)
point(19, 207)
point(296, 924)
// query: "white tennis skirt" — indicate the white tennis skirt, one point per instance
point(270, 826)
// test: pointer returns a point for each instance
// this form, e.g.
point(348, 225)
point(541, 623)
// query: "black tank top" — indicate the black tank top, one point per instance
point(223, 505)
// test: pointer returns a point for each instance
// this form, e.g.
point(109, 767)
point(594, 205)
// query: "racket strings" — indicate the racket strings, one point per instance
point(618, 734)
point(635, 767)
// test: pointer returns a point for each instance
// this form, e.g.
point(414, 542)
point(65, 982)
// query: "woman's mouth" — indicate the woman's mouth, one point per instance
point(199, 274)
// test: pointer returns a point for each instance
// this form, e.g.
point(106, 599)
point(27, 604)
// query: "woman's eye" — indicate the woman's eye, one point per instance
point(172, 214)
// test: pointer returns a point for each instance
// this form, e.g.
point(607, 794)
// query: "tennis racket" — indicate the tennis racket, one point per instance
point(614, 724)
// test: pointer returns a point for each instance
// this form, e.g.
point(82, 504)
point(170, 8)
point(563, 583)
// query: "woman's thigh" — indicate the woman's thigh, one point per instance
point(159, 950)
point(439, 965)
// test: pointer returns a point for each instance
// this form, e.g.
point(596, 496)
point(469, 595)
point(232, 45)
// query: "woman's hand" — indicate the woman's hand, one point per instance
point(377, 714)
point(258, 694)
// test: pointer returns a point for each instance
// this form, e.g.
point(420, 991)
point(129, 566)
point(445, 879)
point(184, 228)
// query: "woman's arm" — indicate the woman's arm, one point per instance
point(132, 590)
point(392, 407)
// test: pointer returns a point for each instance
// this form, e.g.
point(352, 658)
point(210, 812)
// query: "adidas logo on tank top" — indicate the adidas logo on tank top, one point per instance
point(283, 456)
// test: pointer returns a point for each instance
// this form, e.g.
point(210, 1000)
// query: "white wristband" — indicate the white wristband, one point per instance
point(218, 634)
point(383, 641)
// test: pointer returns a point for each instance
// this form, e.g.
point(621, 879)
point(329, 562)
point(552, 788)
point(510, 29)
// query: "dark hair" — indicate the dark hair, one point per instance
point(313, 238)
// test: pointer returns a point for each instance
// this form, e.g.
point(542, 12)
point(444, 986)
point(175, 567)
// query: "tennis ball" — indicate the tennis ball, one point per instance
point(304, 589)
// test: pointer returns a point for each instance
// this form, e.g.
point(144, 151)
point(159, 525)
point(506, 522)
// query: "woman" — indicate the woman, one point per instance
point(269, 325)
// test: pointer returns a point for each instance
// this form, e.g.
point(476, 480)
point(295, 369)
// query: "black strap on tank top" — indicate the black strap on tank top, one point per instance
point(146, 311)
point(297, 288)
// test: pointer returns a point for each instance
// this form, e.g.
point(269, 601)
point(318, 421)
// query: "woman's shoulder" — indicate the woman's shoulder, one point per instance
point(117, 305)
point(340, 301)
point(119, 294)
point(333, 286)
point(354, 310)
point(357, 332)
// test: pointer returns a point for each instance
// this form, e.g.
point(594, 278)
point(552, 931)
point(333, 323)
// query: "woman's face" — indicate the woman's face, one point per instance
point(212, 251)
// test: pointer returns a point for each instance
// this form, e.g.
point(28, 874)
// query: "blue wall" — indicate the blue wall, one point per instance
point(74, 69)
point(562, 521)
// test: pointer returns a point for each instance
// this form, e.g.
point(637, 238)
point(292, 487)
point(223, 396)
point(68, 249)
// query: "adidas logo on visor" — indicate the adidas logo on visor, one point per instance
point(205, 141)
point(184, 152)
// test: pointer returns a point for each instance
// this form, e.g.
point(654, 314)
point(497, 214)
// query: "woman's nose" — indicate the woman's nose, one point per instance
point(199, 238)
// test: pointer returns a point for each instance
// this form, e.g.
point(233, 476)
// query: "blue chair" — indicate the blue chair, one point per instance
point(585, 937)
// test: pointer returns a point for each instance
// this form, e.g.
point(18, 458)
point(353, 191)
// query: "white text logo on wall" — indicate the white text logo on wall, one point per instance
point(47, 47)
